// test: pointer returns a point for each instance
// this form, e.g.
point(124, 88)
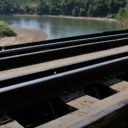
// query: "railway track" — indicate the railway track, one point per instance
point(18, 60)
point(65, 43)
point(36, 98)
point(21, 94)
point(58, 69)
point(89, 36)
point(47, 83)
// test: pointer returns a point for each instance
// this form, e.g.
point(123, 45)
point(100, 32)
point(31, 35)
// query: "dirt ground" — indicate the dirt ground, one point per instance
point(23, 36)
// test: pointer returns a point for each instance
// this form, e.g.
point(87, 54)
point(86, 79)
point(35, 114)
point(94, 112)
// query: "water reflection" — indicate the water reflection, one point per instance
point(61, 27)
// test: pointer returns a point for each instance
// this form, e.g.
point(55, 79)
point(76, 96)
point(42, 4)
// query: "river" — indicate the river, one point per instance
point(61, 27)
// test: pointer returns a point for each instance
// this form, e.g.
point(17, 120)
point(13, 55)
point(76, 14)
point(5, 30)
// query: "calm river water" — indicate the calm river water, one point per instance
point(61, 27)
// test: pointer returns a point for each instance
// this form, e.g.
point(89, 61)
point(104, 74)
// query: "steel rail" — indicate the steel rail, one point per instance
point(66, 39)
point(48, 46)
point(5, 82)
point(32, 91)
point(52, 54)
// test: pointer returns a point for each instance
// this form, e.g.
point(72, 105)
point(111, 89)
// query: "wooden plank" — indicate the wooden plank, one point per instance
point(13, 124)
point(120, 86)
point(88, 116)
point(84, 101)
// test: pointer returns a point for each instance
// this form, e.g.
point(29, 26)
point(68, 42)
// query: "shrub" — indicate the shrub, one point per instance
point(5, 30)
point(111, 16)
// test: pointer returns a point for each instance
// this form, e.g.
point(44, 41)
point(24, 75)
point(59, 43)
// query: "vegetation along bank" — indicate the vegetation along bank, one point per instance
point(5, 30)
point(117, 9)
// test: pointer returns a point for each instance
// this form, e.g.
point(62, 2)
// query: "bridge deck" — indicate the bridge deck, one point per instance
point(45, 65)
point(98, 115)
point(120, 86)
point(81, 102)
point(91, 111)
point(13, 124)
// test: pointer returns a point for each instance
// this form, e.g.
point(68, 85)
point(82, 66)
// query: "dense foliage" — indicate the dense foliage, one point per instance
point(5, 30)
point(123, 15)
point(91, 8)
point(63, 7)
point(9, 6)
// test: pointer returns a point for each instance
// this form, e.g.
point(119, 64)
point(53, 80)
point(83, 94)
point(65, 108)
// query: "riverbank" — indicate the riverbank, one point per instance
point(85, 18)
point(23, 36)
point(72, 17)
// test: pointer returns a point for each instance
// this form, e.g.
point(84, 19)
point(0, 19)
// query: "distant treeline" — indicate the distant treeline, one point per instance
point(91, 8)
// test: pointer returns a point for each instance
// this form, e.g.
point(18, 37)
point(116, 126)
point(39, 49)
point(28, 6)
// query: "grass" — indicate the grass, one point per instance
point(5, 30)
